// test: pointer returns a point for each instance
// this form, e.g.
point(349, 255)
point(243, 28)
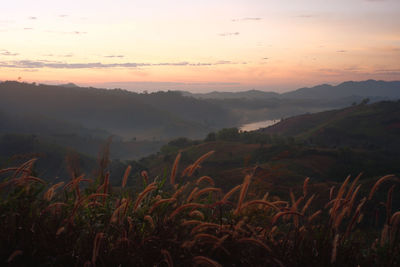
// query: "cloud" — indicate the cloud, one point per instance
point(114, 56)
point(229, 34)
point(7, 53)
point(63, 16)
point(341, 51)
point(71, 32)
point(52, 55)
point(31, 64)
point(265, 58)
point(28, 29)
point(32, 18)
point(247, 19)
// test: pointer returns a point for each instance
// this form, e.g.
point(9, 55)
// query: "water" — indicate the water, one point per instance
point(257, 125)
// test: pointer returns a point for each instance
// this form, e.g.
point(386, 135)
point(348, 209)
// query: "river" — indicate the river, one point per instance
point(257, 125)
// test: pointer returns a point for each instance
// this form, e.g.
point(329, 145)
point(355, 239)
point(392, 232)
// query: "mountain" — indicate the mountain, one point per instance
point(69, 85)
point(251, 94)
point(375, 125)
point(376, 90)
point(371, 89)
point(158, 115)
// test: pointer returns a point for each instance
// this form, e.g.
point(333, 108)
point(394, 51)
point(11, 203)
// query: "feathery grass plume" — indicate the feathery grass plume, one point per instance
point(145, 176)
point(179, 190)
point(205, 178)
point(352, 200)
point(60, 230)
point(331, 192)
point(353, 221)
point(204, 225)
point(254, 241)
point(8, 170)
point(13, 255)
point(190, 197)
point(355, 216)
point(265, 197)
point(190, 222)
point(314, 215)
point(201, 261)
point(106, 186)
point(340, 194)
point(126, 175)
point(305, 207)
point(389, 204)
point(243, 192)
point(283, 213)
point(338, 219)
point(104, 159)
point(186, 170)
point(175, 168)
point(25, 168)
point(185, 206)
point(395, 218)
point(116, 214)
point(352, 187)
point(81, 201)
point(143, 194)
point(292, 197)
point(161, 201)
point(23, 180)
point(206, 190)
point(305, 185)
point(74, 185)
point(48, 195)
point(196, 164)
point(206, 237)
point(49, 207)
point(334, 248)
point(230, 193)
point(196, 213)
point(259, 202)
point(221, 241)
point(167, 257)
point(148, 219)
point(96, 247)
point(385, 234)
point(378, 183)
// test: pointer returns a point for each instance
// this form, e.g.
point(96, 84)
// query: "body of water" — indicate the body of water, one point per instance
point(257, 125)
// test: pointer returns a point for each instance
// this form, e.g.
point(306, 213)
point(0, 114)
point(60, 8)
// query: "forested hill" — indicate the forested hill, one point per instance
point(148, 116)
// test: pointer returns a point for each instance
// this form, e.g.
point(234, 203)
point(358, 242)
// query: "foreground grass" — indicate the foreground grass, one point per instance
point(185, 221)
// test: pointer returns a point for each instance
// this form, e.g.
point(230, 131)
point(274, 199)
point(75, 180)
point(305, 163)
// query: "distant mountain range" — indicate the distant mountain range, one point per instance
point(370, 88)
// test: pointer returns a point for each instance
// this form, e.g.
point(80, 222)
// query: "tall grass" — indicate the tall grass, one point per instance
point(191, 224)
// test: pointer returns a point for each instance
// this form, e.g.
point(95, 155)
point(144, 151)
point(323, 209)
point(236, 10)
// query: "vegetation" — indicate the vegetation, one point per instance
point(179, 219)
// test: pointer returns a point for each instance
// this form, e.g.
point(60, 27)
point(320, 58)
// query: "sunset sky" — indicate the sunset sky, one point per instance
point(199, 45)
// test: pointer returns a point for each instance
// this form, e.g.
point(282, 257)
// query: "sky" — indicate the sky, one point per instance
point(200, 46)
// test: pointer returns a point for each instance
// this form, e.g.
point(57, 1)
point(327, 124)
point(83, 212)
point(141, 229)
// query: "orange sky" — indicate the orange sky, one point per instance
point(228, 45)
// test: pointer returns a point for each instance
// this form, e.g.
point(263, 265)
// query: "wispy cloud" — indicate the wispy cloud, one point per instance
point(7, 53)
point(31, 64)
point(28, 29)
point(33, 18)
point(70, 32)
point(247, 19)
point(341, 51)
point(229, 34)
point(114, 56)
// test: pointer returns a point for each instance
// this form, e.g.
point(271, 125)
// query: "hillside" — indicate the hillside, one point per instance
point(144, 116)
point(325, 146)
